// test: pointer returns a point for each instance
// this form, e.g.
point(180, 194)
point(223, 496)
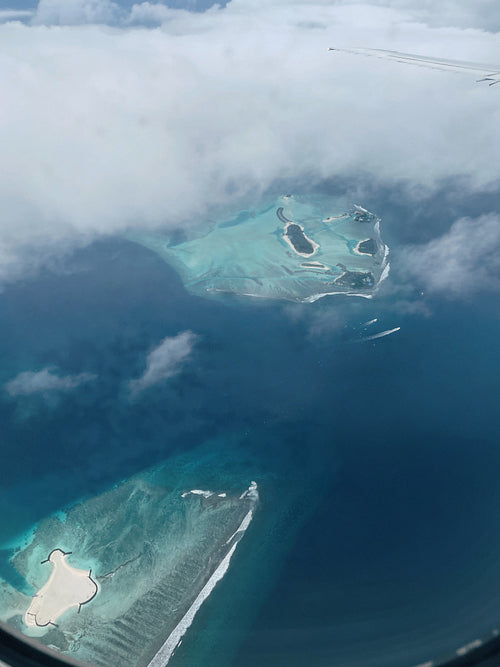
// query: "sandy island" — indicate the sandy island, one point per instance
point(67, 587)
point(314, 245)
point(358, 251)
point(331, 218)
point(315, 265)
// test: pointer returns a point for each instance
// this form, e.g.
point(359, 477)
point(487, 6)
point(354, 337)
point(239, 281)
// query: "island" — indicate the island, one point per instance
point(260, 251)
point(367, 247)
point(67, 587)
point(294, 235)
point(354, 279)
point(158, 544)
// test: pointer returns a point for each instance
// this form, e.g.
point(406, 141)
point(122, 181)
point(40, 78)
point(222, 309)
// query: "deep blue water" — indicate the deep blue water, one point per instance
point(401, 561)
point(376, 541)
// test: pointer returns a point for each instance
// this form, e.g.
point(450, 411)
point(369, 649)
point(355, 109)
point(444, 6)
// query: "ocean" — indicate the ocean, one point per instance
point(374, 542)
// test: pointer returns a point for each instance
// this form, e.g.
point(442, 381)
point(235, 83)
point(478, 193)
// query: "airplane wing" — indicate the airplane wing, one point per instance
point(489, 73)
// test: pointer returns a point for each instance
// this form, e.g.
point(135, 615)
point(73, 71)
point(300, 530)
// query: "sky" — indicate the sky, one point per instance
point(121, 115)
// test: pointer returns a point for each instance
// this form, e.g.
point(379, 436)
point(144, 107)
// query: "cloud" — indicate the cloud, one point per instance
point(107, 12)
point(15, 15)
point(76, 12)
point(148, 13)
point(105, 129)
point(459, 263)
point(45, 382)
point(165, 361)
point(484, 14)
point(325, 322)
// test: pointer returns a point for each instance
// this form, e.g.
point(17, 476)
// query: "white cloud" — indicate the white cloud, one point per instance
point(165, 360)
point(45, 382)
point(107, 128)
point(76, 12)
point(15, 14)
point(148, 13)
point(484, 14)
point(325, 323)
point(464, 260)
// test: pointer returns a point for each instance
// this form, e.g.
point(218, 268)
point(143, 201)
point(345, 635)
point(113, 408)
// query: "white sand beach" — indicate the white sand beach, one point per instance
point(315, 265)
point(67, 587)
point(357, 251)
point(314, 245)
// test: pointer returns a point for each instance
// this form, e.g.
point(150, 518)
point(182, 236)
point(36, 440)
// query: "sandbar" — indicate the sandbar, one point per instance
point(463, 650)
point(331, 218)
point(67, 587)
point(198, 492)
point(315, 265)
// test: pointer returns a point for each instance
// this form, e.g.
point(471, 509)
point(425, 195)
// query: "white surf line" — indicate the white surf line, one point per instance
point(463, 650)
point(384, 274)
point(367, 324)
point(198, 492)
point(381, 334)
point(243, 525)
point(251, 492)
point(163, 656)
point(316, 297)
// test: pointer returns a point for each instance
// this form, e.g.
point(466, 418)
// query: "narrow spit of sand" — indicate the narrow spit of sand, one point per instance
point(67, 587)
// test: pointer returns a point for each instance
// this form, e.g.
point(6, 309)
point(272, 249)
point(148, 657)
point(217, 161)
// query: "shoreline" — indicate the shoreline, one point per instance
point(66, 587)
point(313, 243)
point(315, 265)
point(173, 641)
point(357, 251)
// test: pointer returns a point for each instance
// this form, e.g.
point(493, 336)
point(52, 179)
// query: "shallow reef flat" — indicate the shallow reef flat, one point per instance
point(299, 248)
point(154, 548)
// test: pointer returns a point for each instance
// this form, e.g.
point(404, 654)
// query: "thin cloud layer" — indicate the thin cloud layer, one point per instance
point(108, 12)
point(483, 14)
point(15, 15)
point(165, 361)
point(45, 382)
point(104, 129)
point(463, 261)
point(76, 12)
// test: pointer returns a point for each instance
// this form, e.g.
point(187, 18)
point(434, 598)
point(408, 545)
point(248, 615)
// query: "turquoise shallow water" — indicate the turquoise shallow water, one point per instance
point(376, 461)
point(150, 545)
point(252, 253)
